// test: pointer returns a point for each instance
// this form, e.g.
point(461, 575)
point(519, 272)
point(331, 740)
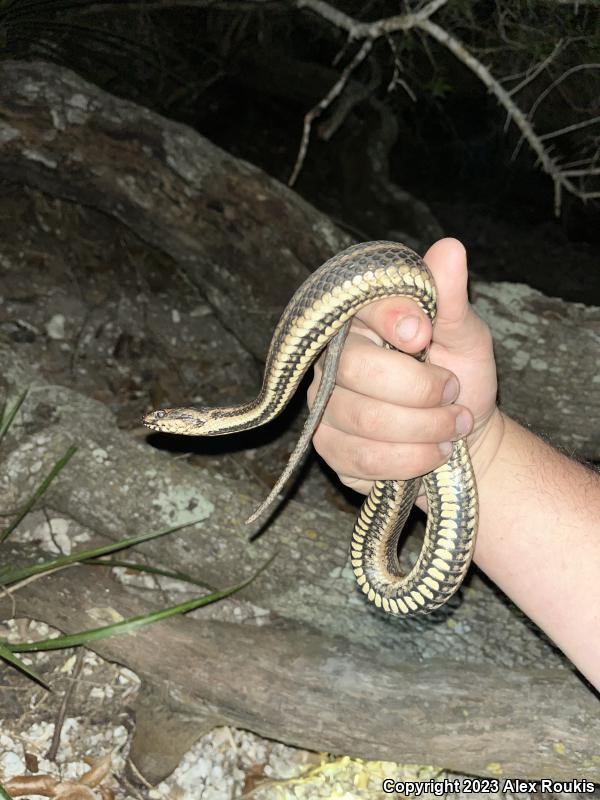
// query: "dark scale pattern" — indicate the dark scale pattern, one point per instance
point(345, 266)
point(446, 552)
point(452, 522)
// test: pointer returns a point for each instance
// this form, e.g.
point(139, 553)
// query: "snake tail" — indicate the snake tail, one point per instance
point(301, 449)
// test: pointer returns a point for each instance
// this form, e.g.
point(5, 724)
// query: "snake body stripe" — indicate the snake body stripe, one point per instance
point(319, 313)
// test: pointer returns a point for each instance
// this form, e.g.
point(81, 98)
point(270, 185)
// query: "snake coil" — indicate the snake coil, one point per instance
point(319, 316)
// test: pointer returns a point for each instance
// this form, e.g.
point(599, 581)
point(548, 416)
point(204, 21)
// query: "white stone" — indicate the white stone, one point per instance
point(11, 765)
point(55, 327)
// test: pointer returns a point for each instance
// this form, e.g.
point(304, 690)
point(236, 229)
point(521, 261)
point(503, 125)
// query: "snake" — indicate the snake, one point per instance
point(318, 318)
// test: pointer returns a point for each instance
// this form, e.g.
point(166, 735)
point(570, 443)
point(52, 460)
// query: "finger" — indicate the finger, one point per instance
point(399, 321)
point(390, 375)
point(356, 484)
point(377, 420)
point(369, 460)
point(456, 323)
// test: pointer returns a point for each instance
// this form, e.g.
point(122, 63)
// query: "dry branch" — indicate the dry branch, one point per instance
point(324, 103)
point(369, 32)
point(421, 20)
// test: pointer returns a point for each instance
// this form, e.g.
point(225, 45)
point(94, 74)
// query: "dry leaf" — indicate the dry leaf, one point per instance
point(73, 791)
point(31, 784)
point(100, 769)
point(31, 762)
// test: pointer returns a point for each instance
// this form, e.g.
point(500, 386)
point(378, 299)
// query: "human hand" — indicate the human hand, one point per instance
point(393, 417)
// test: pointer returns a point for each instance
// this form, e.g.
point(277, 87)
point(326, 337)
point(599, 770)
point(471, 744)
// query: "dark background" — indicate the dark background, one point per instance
point(244, 74)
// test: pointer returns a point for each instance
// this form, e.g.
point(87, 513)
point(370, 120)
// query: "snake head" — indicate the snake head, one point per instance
point(185, 421)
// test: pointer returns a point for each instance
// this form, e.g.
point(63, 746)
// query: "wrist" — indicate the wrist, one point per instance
point(485, 442)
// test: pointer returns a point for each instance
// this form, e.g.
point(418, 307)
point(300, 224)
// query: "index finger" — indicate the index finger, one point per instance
point(399, 321)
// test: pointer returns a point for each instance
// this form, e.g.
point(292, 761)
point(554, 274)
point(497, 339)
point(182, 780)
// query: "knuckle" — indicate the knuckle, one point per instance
point(366, 462)
point(441, 424)
point(426, 388)
point(425, 459)
point(354, 369)
point(356, 484)
point(363, 416)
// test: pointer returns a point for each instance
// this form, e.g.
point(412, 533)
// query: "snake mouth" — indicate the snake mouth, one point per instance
point(153, 419)
point(150, 421)
point(149, 424)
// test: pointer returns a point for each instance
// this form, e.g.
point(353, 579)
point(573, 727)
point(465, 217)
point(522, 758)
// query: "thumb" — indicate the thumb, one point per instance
point(456, 325)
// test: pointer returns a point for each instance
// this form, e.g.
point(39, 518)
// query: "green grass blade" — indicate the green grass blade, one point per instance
point(16, 575)
point(132, 623)
point(7, 655)
point(134, 565)
point(6, 420)
point(39, 492)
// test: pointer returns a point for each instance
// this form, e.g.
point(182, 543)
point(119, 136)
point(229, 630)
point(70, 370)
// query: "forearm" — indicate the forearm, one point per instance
point(388, 417)
point(539, 540)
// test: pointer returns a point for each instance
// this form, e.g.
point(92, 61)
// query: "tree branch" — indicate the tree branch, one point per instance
point(370, 30)
point(549, 164)
point(335, 90)
point(421, 20)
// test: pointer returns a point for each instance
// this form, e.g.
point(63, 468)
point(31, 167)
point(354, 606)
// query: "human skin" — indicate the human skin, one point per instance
point(392, 417)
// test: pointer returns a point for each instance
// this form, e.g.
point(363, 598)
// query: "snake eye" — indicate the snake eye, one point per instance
point(161, 414)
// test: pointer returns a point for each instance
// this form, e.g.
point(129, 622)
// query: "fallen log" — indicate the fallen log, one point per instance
point(289, 683)
point(474, 687)
point(246, 241)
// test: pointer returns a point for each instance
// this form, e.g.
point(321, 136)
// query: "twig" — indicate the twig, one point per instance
point(6, 592)
point(569, 128)
point(531, 75)
point(370, 30)
point(9, 590)
point(574, 3)
point(396, 80)
point(317, 110)
point(62, 711)
point(556, 82)
point(549, 164)
point(137, 774)
point(581, 173)
point(420, 20)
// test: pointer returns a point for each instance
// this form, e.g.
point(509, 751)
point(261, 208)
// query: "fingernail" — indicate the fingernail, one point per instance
point(450, 390)
point(445, 448)
point(463, 423)
point(407, 328)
